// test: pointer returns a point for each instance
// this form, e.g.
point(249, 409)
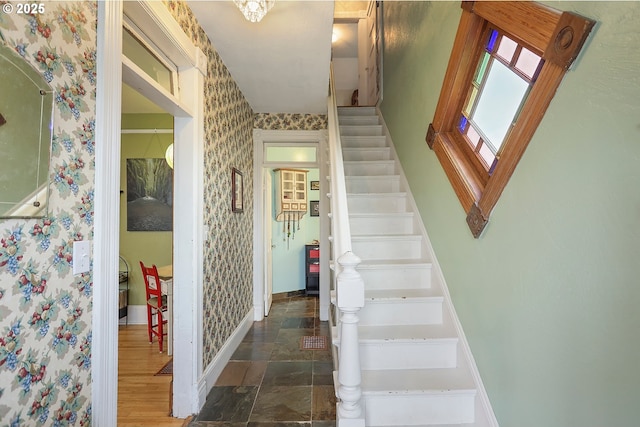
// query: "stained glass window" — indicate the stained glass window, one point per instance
point(504, 75)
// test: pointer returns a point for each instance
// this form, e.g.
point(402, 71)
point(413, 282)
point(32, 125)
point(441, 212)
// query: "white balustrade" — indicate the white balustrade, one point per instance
point(348, 286)
point(350, 299)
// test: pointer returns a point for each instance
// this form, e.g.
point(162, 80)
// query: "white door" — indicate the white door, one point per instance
point(268, 253)
point(372, 56)
point(368, 57)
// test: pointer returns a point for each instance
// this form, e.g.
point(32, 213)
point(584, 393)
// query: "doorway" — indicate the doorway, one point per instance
point(146, 206)
point(156, 22)
point(277, 240)
point(357, 53)
point(293, 231)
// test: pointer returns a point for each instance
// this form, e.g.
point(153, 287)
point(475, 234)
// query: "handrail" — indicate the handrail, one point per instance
point(349, 286)
point(341, 231)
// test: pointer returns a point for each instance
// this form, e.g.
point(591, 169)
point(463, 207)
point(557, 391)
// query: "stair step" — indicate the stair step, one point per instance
point(368, 130)
point(356, 111)
point(400, 274)
point(418, 397)
point(393, 381)
point(366, 153)
point(359, 120)
point(412, 374)
point(390, 247)
point(384, 307)
point(364, 224)
point(373, 184)
point(354, 141)
point(369, 168)
point(377, 202)
point(407, 347)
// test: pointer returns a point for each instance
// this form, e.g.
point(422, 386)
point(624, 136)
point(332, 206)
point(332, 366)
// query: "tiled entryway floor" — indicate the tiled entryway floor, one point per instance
point(270, 381)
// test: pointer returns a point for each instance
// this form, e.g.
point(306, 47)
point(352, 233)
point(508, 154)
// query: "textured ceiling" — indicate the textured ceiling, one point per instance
point(281, 63)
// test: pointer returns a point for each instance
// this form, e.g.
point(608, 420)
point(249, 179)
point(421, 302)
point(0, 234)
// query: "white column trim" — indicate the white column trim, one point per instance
point(325, 227)
point(258, 241)
point(188, 263)
point(104, 347)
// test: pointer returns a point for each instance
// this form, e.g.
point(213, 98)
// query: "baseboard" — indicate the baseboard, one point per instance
point(214, 369)
point(136, 315)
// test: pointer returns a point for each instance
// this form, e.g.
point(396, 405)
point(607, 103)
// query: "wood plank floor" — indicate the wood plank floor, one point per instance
point(143, 399)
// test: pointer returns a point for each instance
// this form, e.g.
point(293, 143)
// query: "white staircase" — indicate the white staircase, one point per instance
point(416, 366)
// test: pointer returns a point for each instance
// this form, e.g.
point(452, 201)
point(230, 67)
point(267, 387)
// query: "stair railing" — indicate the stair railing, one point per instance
point(348, 284)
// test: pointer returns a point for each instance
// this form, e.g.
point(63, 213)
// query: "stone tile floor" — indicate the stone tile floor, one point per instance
point(269, 380)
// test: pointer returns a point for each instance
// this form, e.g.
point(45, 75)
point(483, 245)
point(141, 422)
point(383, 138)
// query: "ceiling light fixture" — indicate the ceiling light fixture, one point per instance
point(254, 10)
point(168, 155)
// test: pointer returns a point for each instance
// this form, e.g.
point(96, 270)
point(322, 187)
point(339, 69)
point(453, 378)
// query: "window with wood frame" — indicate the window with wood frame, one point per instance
point(507, 62)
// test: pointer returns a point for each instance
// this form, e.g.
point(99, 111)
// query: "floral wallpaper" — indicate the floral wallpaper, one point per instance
point(45, 312)
point(228, 253)
point(290, 121)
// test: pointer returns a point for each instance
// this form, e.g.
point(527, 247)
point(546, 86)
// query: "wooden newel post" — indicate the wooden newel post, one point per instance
point(350, 299)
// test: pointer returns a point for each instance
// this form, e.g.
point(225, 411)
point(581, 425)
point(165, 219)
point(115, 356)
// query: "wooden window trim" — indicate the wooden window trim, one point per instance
point(559, 35)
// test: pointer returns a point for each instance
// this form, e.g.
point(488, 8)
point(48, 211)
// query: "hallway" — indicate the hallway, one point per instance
point(270, 380)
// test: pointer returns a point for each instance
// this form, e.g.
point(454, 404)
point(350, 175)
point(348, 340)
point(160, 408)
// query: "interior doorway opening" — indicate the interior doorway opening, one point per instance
point(357, 53)
point(292, 230)
point(158, 25)
point(146, 235)
point(284, 224)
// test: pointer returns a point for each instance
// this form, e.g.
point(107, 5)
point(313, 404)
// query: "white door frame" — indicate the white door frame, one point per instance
point(267, 185)
point(260, 137)
point(158, 24)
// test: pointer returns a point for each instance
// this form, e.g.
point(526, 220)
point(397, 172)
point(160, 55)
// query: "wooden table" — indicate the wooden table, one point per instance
point(166, 282)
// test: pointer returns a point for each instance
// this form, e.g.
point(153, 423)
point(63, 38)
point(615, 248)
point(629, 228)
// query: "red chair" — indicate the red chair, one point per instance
point(156, 304)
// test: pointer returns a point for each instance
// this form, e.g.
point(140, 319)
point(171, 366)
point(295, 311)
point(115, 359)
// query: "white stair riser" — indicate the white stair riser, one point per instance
point(383, 249)
point(350, 154)
point(371, 184)
point(381, 225)
point(373, 204)
point(424, 354)
point(363, 141)
point(356, 111)
point(359, 120)
point(396, 278)
point(370, 130)
point(419, 409)
point(395, 270)
point(369, 168)
point(401, 312)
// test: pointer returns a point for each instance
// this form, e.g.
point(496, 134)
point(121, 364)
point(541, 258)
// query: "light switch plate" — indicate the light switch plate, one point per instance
point(81, 256)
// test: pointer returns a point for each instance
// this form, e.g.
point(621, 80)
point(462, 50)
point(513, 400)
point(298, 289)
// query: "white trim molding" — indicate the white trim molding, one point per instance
point(154, 19)
point(104, 347)
point(289, 138)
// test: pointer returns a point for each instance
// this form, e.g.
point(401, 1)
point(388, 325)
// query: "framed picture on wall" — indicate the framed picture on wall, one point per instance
point(314, 208)
point(236, 190)
point(314, 185)
point(149, 195)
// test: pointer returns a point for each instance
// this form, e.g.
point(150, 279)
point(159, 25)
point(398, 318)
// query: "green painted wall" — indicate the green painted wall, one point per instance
point(146, 246)
point(548, 296)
